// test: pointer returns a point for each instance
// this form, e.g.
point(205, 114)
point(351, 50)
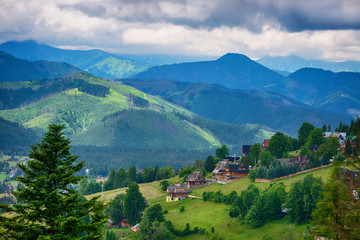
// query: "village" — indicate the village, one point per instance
point(228, 170)
point(232, 168)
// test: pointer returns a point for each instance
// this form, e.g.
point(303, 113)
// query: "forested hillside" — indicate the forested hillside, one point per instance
point(134, 127)
point(215, 102)
point(97, 62)
point(13, 69)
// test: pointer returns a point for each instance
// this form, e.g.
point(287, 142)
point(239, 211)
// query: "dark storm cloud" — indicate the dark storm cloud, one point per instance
point(291, 15)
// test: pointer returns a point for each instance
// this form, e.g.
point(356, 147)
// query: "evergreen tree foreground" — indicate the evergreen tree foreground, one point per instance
point(48, 207)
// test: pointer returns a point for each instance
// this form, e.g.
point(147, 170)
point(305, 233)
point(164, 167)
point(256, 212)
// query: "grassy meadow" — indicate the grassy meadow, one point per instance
point(205, 214)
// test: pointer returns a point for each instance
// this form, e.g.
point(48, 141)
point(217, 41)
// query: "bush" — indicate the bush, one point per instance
point(234, 211)
point(182, 209)
point(252, 174)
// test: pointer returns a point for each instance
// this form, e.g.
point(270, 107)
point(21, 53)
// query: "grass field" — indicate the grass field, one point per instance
point(204, 214)
point(2, 176)
point(151, 191)
point(243, 183)
point(208, 214)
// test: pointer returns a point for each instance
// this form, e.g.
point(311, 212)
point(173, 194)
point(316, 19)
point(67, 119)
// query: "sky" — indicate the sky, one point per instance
point(312, 29)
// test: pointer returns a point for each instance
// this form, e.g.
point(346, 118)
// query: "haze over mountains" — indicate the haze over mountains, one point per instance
point(95, 61)
point(188, 108)
point(294, 63)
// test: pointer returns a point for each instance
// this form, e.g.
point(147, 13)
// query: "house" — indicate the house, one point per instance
point(236, 171)
point(341, 136)
point(177, 192)
point(124, 223)
point(224, 170)
point(265, 144)
point(195, 180)
point(135, 228)
point(220, 170)
point(246, 149)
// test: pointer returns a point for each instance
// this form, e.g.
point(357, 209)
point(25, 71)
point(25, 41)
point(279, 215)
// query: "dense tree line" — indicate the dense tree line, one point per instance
point(11, 98)
point(93, 89)
point(100, 160)
point(275, 170)
point(122, 178)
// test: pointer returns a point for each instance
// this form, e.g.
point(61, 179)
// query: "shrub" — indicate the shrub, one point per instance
point(182, 209)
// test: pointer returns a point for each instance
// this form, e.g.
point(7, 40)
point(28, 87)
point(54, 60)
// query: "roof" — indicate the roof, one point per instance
point(238, 168)
point(196, 176)
point(178, 188)
point(222, 166)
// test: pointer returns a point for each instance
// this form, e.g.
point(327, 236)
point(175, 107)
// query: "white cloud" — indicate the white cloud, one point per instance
point(189, 27)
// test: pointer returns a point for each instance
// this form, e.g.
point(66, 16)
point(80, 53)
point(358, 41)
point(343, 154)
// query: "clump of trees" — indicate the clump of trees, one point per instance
point(122, 178)
point(48, 207)
point(129, 206)
point(338, 212)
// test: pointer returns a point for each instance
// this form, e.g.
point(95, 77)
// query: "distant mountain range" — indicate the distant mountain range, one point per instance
point(169, 114)
point(337, 92)
point(294, 63)
point(234, 106)
point(231, 70)
point(95, 61)
point(14, 69)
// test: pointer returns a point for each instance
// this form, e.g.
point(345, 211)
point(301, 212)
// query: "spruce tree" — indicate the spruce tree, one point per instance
point(134, 204)
point(48, 207)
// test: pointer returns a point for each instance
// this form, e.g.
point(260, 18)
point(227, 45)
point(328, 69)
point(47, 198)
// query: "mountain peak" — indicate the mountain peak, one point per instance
point(231, 57)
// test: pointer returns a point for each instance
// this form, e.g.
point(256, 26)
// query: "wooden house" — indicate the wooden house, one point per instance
point(236, 171)
point(195, 180)
point(221, 170)
point(225, 171)
point(177, 192)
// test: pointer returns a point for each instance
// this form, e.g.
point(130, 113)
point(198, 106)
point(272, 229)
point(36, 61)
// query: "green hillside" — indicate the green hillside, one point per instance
point(150, 129)
point(131, 124)
point(15, 138)
point(215, 102)
point(14, 69)
point(206, 214)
